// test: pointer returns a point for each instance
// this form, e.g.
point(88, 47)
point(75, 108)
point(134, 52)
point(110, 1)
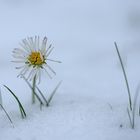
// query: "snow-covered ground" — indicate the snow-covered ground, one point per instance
point(92, 100)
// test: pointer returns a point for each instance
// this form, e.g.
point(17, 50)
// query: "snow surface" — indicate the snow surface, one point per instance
point(92, 100)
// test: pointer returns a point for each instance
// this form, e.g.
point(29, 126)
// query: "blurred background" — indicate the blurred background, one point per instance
point(83, 34)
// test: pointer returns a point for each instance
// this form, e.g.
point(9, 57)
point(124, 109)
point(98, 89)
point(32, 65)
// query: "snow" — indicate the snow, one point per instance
point(92, 100)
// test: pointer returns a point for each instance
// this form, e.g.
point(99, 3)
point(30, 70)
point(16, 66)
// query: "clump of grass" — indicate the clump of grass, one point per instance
point(22, 111)
point(42, 99)
point(132, 106)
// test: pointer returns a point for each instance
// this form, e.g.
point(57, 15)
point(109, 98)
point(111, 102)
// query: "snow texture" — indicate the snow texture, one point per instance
point(92, 100)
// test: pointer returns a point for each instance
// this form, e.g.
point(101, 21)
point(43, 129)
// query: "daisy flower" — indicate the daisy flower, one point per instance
point(33, 57)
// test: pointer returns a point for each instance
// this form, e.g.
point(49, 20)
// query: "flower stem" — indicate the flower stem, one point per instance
point(37, 97)
point(33, 90)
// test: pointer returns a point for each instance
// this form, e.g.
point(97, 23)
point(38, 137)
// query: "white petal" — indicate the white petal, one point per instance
point(27, 44)
point(50, 69)
point(47, 73)
point(41, 56)
point(54, 60)
point(20, 67)
point(49, 52)
point(19, 61)
point(45, 52)
point(23, 71)
point(26, 70)
point(26, 48)
point(38, 43)
point(20, 51)
point(30, 41)
point(19, 57)
point(35, 43)
point(31, 73)
point(44, 43)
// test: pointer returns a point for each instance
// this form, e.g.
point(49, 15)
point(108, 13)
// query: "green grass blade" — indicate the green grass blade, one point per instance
point(125, 76)
point(42, 95)
point(22, 111)
point(53, 93)
point(7, 115)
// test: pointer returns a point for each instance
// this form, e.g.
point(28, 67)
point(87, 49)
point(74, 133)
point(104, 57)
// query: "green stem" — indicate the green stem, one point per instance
point(33, 90)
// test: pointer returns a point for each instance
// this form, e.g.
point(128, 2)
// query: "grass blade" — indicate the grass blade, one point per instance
point(125, 76)
point(7, 115)
point(42, 95)
point(130, 119)
point(139, 109)
point(22, 111)
point(39, 99)
point(134, 106)
point(53, 93)
point(0, 97)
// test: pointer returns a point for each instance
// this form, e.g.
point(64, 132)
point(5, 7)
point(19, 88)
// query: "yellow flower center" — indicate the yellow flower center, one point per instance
point(36, 59)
